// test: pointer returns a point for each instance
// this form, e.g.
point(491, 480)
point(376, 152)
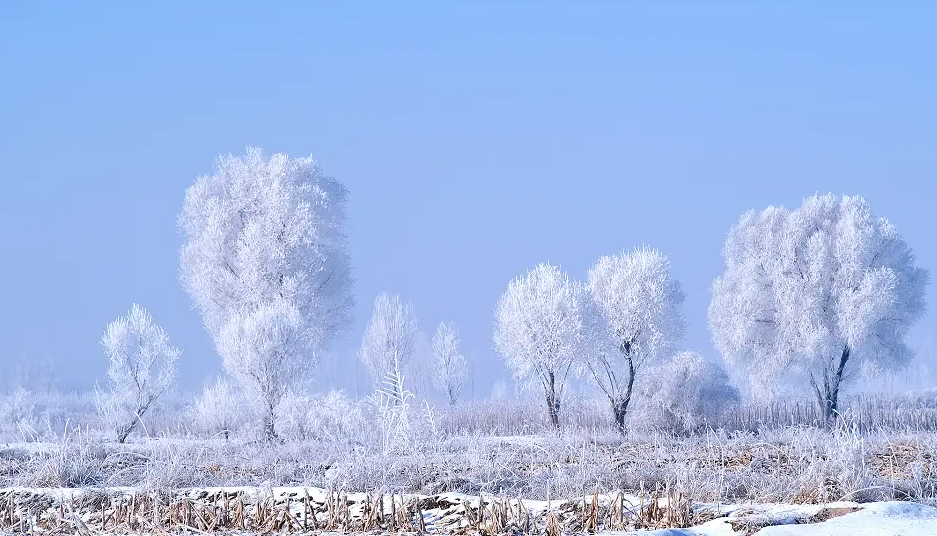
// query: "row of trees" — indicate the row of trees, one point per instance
point(389, 345)
point(820, 294)
point(627, 315)
point(825, 292)
point(266, 263)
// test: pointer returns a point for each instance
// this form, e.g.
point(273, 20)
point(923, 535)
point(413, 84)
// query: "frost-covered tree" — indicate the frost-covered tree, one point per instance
point(142, 366)
point(540, 330)
point(684, 393)
point(266, 263)
point(641, 310)
point(827, 290)
point(450, 370)
point(388, 343)
point(265, 348)
point(218, 410)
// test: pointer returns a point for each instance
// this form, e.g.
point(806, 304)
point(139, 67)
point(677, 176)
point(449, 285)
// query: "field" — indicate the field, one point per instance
point(530, 478)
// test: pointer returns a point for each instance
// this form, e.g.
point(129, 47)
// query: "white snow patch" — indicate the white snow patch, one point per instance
point(874, 519)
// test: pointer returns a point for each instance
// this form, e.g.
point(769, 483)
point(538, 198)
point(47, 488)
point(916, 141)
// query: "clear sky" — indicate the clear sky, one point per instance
point(476, 138)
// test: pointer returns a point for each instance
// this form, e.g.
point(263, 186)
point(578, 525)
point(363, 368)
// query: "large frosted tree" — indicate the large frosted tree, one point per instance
point(388, 345)
point(641, 306)
point(450, 370)
point(266, 263)
point(540, 330)
point(827, 290)
point(141, 367)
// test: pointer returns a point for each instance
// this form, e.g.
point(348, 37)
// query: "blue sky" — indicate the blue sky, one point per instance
point(476, 138)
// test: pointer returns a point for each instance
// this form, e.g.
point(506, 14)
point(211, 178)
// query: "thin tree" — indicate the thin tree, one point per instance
point(540, 328)
point(388, 344)
point(141, 367)
point(825, 292)
point(450, 370)
point(266, 262)
point(641, 306)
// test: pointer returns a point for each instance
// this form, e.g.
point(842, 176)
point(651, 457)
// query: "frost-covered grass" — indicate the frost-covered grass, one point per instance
point(800, 465)
point(884, 449)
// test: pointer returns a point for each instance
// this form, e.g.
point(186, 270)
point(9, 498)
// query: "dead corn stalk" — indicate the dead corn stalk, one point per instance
point(553, 526)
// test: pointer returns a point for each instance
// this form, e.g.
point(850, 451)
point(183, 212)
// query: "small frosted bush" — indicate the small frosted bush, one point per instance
point(18, 415)
point(683, 394)
point(219, 410)
point(330, 417)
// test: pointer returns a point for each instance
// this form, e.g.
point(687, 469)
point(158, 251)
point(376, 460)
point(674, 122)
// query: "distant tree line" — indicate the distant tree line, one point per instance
point(822, 293)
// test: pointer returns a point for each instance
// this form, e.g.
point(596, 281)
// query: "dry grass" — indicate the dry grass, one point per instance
point(799, 465)
point(647, 480)
point(294, 511)
point(300, 510)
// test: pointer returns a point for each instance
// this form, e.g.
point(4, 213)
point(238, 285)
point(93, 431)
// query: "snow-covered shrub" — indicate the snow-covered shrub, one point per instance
point(403, 422)
point(683, 394)
point(76, 461)
point(587, 407)
point(337, 417)
point(323, 417)
point(294, 416)
point(171, 416)
point(391, 404)
point(220, 409)
point(18, 416)
point(50, 414)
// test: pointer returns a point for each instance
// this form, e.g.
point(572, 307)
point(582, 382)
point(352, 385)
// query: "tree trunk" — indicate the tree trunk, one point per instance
point(827, 406)
point(553, 409)
point(269, 419)
point(827, 393)
point(619, 411)
point(620, 403)
point(553, 404)
point(124, 431)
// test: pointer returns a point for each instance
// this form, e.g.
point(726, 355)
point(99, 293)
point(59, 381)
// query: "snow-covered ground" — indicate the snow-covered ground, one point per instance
point(872, 519)
point(298, 510)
